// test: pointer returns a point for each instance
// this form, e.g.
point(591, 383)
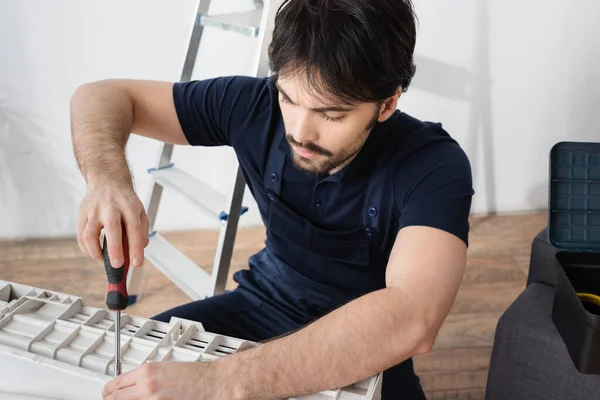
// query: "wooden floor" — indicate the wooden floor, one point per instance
point(455, 369)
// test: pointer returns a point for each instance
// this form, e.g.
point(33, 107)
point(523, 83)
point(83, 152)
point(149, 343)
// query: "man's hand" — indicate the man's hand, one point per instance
point(171, 381)
point(103, 115)
point(110, 207)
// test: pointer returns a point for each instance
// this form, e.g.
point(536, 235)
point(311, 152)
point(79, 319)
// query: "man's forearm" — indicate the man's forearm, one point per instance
point(359, 340)
point(101, 121)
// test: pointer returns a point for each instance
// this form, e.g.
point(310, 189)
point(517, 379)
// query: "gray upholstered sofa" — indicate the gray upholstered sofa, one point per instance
point(529, 359)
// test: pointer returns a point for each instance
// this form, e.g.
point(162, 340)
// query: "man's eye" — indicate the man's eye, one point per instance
point(285, 100)
point(333, 119)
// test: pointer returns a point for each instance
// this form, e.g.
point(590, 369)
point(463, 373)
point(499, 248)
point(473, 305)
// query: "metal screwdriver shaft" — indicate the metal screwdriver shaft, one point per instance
point(117, 371)
point(117, 298)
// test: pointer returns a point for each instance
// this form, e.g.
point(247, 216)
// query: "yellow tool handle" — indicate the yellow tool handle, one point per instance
point(590, 298)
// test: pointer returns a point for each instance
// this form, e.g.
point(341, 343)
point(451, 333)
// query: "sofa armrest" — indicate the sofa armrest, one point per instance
point(541, 264)
point(529, 359)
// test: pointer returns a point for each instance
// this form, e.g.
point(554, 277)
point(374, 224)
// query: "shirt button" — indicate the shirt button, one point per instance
point(318, 203)
point(369, 231)
point(270, 196)
point(372, 211)
point(274, 177)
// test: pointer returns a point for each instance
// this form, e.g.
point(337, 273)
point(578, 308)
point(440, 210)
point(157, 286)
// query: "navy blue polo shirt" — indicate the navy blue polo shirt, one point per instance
point(432, 187)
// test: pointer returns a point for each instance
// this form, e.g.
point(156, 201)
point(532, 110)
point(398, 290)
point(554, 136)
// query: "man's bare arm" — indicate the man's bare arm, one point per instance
point(103, 114)
point(368, 335)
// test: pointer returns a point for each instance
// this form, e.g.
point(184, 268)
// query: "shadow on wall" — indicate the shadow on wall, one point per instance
point(538, 196)
point(34, 181)
point(473, 86)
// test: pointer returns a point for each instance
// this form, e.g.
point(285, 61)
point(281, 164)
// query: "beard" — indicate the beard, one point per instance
point(332, 160)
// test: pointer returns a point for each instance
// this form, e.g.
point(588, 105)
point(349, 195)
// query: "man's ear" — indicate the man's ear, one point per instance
point(389, 106)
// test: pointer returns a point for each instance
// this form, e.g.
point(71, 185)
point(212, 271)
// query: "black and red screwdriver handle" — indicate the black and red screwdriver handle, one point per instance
point(117, 298)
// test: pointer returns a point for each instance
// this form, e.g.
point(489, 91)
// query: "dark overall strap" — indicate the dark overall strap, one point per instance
point(274, 171)
point(380, 182)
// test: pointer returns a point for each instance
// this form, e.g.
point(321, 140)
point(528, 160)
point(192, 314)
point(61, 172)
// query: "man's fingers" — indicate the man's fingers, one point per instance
point(81, 224)
point(122, 387)
point(137, 238)
point(146, 227)
point(113, 229)
point(130, 393)
point(91, 234)
point(122, 216)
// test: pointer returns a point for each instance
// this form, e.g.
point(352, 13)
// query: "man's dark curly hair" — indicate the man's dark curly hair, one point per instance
point(349, 50)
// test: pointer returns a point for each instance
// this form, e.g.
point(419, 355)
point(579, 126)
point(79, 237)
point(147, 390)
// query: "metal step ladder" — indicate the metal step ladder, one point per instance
point(182, 271)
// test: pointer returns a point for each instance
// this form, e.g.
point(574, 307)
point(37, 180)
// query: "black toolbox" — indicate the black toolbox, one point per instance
point(574, 230)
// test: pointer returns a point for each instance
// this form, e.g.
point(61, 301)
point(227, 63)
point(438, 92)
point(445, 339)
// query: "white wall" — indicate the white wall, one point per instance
point(50, 48)
point(508, 78)
point(530, 68)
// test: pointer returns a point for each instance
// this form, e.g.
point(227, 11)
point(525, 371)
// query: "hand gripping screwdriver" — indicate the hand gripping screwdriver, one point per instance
point(117, 298)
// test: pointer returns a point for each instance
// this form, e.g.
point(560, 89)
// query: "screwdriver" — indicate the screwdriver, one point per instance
point(117, 298)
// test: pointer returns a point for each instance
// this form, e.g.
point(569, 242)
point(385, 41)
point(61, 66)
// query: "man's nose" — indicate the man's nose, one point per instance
point(303, 131)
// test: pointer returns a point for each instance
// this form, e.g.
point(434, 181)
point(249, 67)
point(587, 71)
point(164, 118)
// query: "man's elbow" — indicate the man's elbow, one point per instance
point(425, 339)
point(419, 342)
point(424, 347)
point(88, 91)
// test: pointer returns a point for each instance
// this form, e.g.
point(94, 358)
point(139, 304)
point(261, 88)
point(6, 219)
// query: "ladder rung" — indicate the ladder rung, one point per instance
point(207, 198)
point(247, 23)
point(182, 271)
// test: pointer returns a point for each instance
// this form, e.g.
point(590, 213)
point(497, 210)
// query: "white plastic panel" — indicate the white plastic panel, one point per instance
point(67, 345)
point(5, 291)
point(47, 344)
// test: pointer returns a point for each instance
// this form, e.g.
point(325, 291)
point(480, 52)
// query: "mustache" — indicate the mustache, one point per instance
point(308, 146)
